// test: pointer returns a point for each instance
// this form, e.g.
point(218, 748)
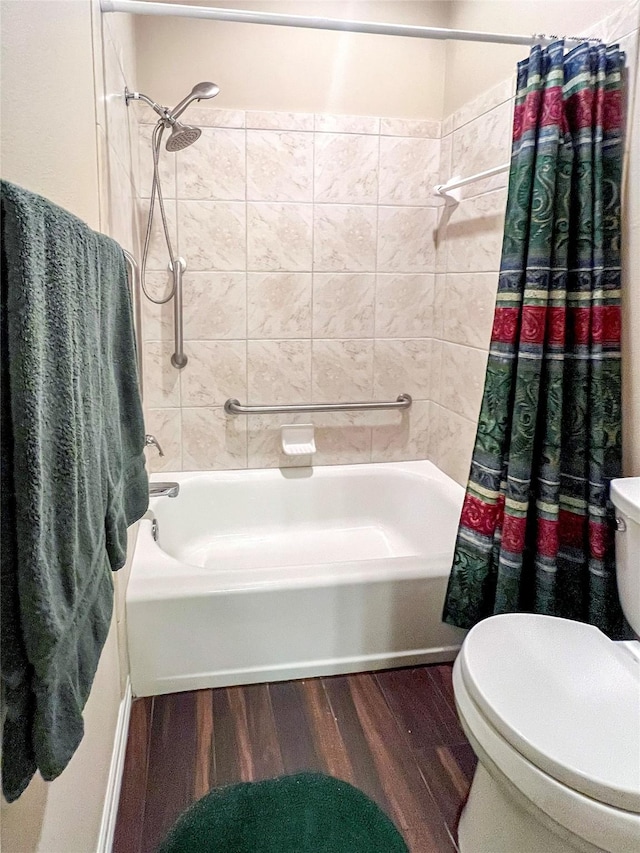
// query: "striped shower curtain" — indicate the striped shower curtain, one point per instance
point(537, 528)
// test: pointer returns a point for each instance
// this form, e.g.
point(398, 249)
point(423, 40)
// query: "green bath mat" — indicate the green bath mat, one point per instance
point(306, 813)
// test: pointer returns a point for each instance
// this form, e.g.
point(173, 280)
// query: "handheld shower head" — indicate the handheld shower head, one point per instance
point(199, 92)
point(182, 135)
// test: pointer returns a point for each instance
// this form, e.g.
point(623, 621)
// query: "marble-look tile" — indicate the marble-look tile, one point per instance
point(342, 438)
point(409, 169)
point(404, 305)
point(215, 371)
point(405, 435)
point(343, 305)
point(279, 305)
point(447, 125)
point(406, 239)
point(483, 144)
point(279, 236)
point(344, 238)
point(279, 372)
point(438, 305)
point(410, 127)
point(279, 121)
point(463, 372)
point(452, 443)
point(436, 375)
point(347, 124)
point(213, 234)
point(264, 440)
point(620, 23)
point(166, 165)
point(215, 305)
point(279, 166)
point(157, 320)
point(468, 306)
point(342, 370)
point(117, 122)
point(121, 217)
point(210, 117)
point(446, 149)
point(161, 379)
point(346, 168)
point(402, 367)
point(213, 168)
point(489, 99)
point(166, 425)
point(474, 234)
point(212, 440)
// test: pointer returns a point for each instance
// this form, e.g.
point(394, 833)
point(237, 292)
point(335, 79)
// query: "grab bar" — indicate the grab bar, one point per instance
point(235, 407)
point(134, 289)
point(178, 359)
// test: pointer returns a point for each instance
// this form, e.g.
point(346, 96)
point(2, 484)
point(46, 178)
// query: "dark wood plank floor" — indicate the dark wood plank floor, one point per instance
point(393, 734)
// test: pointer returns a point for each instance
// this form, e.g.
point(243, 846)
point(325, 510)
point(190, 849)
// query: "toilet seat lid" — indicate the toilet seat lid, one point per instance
point(565, 696)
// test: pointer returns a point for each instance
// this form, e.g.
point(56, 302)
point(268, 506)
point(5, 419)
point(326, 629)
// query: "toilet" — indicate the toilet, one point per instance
point(551, 708)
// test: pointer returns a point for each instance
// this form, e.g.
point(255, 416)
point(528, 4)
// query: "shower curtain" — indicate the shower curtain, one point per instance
point(537, 528)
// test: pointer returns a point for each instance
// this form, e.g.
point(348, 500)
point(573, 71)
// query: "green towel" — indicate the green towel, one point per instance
point(73, 473)
point(305, 813)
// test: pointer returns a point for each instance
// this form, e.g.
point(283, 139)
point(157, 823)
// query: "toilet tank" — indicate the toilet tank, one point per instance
point(625, 495)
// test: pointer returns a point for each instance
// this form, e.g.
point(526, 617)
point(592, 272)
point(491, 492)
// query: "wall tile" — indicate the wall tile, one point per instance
point(342, 370)
point(212, 440)
point(346, 168)
point(486, 101)
point(279, 305)
point(474, 234)
point(279, 372)
point(409, 169)
point(215, 371)
point(452, 443)
point(404, 305)
point(166, 425)
point(161, 379)
point(483, 144)
point(409, 127)
point(279, 166)
point(157, 320)
point(344, 237)
point(213, 168)
point(404, 436)
point(279, 236)
point(347, 124)
point(402, 367)
point(343, 305)
point(468, 304)
point(406, 239)
point(203, 116)
point(279, 121)
point(213, 234)
point(462, 379)
point(265, 442)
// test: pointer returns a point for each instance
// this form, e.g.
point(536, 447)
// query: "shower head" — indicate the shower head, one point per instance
point(182, 135)
point(199, 92)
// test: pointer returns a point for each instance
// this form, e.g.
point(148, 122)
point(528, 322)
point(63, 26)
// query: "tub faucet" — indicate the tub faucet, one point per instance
point(161, 490)
point(152, 441)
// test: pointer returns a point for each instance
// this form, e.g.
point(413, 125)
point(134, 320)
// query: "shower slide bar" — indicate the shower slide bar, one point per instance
point(448, 190)
point(136, 7)
point(235, 407)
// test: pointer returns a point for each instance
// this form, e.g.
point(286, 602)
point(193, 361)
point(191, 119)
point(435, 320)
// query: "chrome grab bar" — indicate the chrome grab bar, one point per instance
point(235, 407)
point(178, 359)
point(134, 289)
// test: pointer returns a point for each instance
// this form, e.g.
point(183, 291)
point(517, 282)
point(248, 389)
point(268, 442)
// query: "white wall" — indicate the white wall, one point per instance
point(51, 55)
point(280, 68)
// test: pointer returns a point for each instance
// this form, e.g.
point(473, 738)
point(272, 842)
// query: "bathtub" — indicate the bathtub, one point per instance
point(266, 575)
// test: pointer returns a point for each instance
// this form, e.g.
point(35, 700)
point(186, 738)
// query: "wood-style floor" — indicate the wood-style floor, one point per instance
point(393, 734)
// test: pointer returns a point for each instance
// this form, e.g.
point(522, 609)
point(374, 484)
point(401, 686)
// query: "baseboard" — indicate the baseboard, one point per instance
point(112, 796)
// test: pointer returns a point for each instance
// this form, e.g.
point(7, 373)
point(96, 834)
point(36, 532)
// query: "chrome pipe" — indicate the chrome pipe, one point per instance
point(178, 359)
point(235, 407)
point(134, 290)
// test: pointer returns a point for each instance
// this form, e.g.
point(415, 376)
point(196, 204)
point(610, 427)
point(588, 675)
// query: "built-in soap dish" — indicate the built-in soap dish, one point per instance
point(298, 439)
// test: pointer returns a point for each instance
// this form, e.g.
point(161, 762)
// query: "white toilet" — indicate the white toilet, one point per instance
point(552, 710)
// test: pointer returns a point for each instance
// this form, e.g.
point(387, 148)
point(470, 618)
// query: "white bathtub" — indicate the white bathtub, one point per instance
point(276, 574)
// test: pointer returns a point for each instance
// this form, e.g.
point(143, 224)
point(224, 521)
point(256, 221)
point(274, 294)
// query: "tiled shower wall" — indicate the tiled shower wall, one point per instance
point(310, 244)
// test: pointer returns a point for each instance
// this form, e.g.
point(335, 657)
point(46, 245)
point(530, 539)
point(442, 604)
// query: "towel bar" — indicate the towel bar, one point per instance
point(235, 407)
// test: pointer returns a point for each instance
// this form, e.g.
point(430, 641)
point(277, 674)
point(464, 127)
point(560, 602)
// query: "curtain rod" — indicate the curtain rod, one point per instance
point(138, 7)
